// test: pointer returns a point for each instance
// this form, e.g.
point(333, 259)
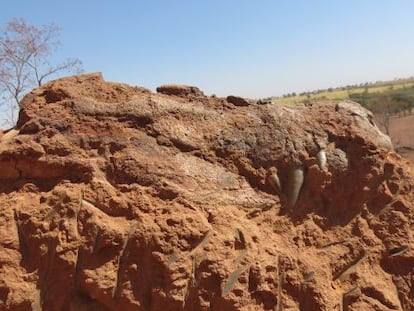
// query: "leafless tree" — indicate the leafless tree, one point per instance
point(25, 61)
point(383, 110)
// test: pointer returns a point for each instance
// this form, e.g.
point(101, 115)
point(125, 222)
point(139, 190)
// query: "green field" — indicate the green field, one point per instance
point(400, 92)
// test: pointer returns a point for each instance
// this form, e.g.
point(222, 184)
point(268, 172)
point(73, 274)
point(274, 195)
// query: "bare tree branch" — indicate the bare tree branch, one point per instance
point(70, 65)
point(25, 53)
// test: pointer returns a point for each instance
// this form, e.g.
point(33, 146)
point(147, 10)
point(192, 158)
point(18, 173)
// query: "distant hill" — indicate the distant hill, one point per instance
point(394, 96)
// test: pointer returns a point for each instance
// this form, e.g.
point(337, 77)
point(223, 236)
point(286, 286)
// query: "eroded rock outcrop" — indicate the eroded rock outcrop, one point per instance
point(116, 198)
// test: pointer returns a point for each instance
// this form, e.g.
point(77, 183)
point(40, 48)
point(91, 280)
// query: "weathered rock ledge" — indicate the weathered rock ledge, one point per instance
point(116, 198)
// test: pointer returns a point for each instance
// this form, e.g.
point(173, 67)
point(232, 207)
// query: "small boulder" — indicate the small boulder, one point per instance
point(180, 90)
point(237, 101)
point(264, 102)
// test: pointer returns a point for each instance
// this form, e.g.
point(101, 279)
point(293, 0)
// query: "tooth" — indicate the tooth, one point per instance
point(296, 177)
point(321, 159)
point(273, 179)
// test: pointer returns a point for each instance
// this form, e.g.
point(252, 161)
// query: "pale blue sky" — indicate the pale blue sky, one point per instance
point(250, 48)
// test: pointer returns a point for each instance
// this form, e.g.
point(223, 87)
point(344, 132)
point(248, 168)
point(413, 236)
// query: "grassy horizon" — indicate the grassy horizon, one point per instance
point(351, 92)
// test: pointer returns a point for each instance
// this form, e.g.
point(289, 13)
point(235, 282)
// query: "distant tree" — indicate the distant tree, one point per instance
point(385, 107)
point(403, 101)
point(25, 61)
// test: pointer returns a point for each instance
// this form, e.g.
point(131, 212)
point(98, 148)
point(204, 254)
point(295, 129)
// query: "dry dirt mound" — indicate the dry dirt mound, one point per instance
point(116, 198)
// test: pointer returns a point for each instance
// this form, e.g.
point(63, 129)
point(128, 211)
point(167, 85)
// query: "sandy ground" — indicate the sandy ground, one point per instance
point(402, 135)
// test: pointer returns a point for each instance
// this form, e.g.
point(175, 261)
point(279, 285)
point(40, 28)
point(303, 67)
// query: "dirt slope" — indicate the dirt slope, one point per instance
point(402, 134)
point(116, 198)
